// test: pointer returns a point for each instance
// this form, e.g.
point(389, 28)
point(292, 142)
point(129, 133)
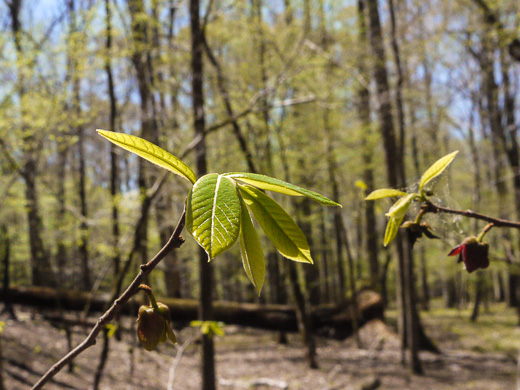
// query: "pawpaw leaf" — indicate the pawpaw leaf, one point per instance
point(213, 213)
point(278, 226)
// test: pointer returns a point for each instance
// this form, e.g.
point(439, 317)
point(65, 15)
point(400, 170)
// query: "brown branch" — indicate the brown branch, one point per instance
point(429, 207)
point(175, 241)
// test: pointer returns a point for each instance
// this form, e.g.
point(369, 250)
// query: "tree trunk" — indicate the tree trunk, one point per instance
point(304, 324)
point(114, 188)
point(80, 133)
point(278, 293)
point(303, 205)
point(5, 241)
point(61, 250)
point(41, 270)
point(424, 281)
point(352, 284)
point(371, 239)
point(114, 167)
point(300, 300)
point(395, 177)
point(326, 287)
point(478, 297)
point(227, 104)
point(149, 126)
point(205, 270)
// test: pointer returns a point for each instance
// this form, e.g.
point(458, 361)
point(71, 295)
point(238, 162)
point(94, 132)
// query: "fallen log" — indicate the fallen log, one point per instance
point(331, 320)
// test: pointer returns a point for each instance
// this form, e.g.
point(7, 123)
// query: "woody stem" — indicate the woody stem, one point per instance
point(429, 207)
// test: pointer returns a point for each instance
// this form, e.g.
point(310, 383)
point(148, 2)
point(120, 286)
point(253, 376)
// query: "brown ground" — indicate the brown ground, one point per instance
point(250, 359)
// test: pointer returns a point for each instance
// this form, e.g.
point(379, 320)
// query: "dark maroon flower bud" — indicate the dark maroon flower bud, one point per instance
point(474, 254)
point(153, 326)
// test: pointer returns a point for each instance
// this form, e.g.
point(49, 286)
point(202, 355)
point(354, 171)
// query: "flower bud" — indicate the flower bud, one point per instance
point(153, 326)
point(473, 253)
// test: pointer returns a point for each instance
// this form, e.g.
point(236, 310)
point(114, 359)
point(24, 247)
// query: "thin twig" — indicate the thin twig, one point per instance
point(429, 207)
point(175, 241)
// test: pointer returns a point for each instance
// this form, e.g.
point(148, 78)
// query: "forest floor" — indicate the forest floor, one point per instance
point(479, 355)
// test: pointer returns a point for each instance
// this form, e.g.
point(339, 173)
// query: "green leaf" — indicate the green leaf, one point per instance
point(150, 152)
point(392, 228)
point(272, 184)
point(278, 226)
point(251, 250)
point(213, 213)
point(399, 209)
point(384, 193)
point(436, 169)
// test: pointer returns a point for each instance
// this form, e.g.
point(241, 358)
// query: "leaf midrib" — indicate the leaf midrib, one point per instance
point(214, 208)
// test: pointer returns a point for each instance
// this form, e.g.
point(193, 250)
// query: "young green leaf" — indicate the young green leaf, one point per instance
point(436, 169)
point(213, 213)
point(399, 209)
point(384, 193)
point(278, 226)
point(392, 228)
point(272, 184)
point(150, 152)
point(251, 250)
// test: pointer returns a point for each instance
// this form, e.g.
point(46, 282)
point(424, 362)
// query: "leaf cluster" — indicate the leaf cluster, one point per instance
point(218, 209)
point(398, 210)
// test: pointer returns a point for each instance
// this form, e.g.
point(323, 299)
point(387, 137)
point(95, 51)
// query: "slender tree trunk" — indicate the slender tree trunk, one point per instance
point(417, 168)
point(61, 251)
point(41, 271)
point(371, 238)
point(326, 287)
point(5, 241)
point(114, 187)
point(410, 299)
point(398, 88)
point(276, 280)
point(80, 133)
point(395, 172)
point(227, 104)
point(352, 284)
point(304, 323)
point(149, 126)
point(83, 245)
point(424, 281)
point(338, 223)
point(478, 297)
point(114, 166)
point(102, 361)
point(300, 300)
point(303, 205)
point(205, 270)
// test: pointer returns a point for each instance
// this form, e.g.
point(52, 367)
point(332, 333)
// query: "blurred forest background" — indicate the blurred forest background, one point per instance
point(341, 97)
